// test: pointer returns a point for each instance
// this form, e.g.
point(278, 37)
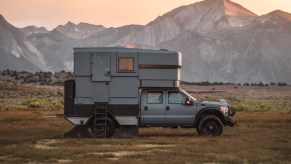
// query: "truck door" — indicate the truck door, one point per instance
point(153, 108)
point(177, 112)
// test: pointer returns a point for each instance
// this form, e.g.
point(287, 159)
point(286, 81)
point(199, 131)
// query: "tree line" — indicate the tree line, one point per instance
point(207, 83)
point(41, 78)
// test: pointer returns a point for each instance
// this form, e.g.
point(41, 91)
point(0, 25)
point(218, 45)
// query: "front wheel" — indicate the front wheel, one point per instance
point(210, 125)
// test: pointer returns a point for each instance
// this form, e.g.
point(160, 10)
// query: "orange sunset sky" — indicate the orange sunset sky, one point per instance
point(110, 13)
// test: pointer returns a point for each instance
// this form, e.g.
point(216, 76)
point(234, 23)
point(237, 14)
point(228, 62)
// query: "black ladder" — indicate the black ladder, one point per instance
point(100, 123)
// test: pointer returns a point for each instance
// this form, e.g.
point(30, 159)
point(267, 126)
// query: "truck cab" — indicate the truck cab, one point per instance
point(177, 108)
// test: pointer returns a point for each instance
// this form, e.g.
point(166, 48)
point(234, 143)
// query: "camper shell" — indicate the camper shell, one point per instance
point(114, 77)
point(108, 86)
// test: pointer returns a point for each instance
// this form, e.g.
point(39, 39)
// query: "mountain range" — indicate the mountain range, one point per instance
point(220, 41)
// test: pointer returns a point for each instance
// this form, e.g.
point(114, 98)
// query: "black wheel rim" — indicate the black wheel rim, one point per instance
point(211, 127)
point(101, 129)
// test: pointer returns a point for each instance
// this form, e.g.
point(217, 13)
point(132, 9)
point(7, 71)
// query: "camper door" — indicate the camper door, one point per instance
point(100, 67)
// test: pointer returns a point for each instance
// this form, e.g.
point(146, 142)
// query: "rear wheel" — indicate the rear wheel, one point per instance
point(101, 128)
point(210, 125)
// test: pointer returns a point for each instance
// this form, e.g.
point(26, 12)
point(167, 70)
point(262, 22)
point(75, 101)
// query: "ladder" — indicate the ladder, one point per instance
point(100, 123)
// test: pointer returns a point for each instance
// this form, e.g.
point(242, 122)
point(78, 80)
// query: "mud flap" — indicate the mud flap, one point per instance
point(78, 132)
point(127, 131)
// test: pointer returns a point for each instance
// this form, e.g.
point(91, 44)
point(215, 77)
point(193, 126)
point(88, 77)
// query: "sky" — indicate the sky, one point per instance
point(110, 13)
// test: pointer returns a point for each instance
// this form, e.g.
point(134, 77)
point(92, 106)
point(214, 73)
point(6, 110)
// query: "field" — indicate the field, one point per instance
point(25, 136)
point(262, 136)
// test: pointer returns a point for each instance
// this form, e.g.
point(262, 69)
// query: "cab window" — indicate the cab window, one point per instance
point(176, 97)
point(155, 97)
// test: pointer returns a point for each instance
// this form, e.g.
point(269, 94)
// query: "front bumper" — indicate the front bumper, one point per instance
point(229, 120)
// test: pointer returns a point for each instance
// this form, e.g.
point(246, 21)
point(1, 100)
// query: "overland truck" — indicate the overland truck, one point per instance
point(116, 91)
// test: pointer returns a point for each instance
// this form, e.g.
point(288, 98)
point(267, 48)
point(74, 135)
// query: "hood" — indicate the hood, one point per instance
point(214, 103)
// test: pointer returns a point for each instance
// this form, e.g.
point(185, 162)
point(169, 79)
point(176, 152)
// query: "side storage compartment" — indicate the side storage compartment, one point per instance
point(127, 118)
point(164, 71)
point(69, 96)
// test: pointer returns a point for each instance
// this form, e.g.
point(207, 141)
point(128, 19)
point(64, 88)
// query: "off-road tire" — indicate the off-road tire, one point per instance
point(210, 125)
point(110, 127)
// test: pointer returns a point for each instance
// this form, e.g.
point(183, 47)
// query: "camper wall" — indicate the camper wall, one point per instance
point(115, 75)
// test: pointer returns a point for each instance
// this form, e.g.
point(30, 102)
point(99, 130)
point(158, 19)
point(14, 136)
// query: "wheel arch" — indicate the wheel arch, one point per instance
point(109, 114)
point(208, 111)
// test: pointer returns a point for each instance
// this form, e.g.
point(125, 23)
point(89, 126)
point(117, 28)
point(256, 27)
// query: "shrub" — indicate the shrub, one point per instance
point(43, 103)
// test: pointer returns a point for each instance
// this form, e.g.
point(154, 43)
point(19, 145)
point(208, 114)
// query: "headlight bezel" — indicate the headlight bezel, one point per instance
point(224, 110)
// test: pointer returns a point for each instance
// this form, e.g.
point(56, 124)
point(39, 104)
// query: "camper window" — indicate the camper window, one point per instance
point(125, 64)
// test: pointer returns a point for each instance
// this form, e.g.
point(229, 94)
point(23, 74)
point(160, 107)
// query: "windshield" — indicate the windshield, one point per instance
point(188, 95)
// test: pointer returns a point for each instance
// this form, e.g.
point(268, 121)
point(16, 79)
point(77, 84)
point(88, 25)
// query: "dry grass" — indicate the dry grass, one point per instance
point(241, 98)
point(261, 137)
point(241, 93)
point(246, 98)
point(25, 136)
point(11, 90)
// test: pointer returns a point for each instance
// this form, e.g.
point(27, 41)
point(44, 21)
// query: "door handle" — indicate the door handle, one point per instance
point(146, 108)
point(167, 108)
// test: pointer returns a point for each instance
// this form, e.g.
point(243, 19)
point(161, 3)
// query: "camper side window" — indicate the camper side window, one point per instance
point(125, 64)
point(155, 97)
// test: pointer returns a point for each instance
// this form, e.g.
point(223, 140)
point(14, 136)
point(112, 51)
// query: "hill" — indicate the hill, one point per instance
point(220, 41)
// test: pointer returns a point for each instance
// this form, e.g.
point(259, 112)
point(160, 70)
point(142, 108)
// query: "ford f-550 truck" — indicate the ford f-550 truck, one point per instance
point(117, 90)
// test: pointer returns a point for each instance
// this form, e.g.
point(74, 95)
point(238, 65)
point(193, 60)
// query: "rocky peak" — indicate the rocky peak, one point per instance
point(282, 14)
point(3, 20)
point(1, 17)
point(212, 9)
point(69, 24)
point(277, 15)
point(234, 9)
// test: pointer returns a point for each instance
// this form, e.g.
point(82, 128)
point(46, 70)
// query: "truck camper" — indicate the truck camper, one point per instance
point(116, 91)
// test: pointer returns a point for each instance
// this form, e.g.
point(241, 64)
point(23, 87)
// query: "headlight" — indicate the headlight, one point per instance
point(224, 110)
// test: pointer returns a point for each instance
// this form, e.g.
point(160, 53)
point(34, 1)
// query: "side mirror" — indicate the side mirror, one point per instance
point(188, 101)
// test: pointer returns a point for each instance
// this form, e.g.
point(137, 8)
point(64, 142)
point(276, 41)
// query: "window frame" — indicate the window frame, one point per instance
point(125, 71)
point(181, 93)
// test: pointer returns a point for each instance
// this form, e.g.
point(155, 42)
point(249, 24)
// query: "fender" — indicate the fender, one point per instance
point(122, 120)
point(109, 114)
point(208, 110)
